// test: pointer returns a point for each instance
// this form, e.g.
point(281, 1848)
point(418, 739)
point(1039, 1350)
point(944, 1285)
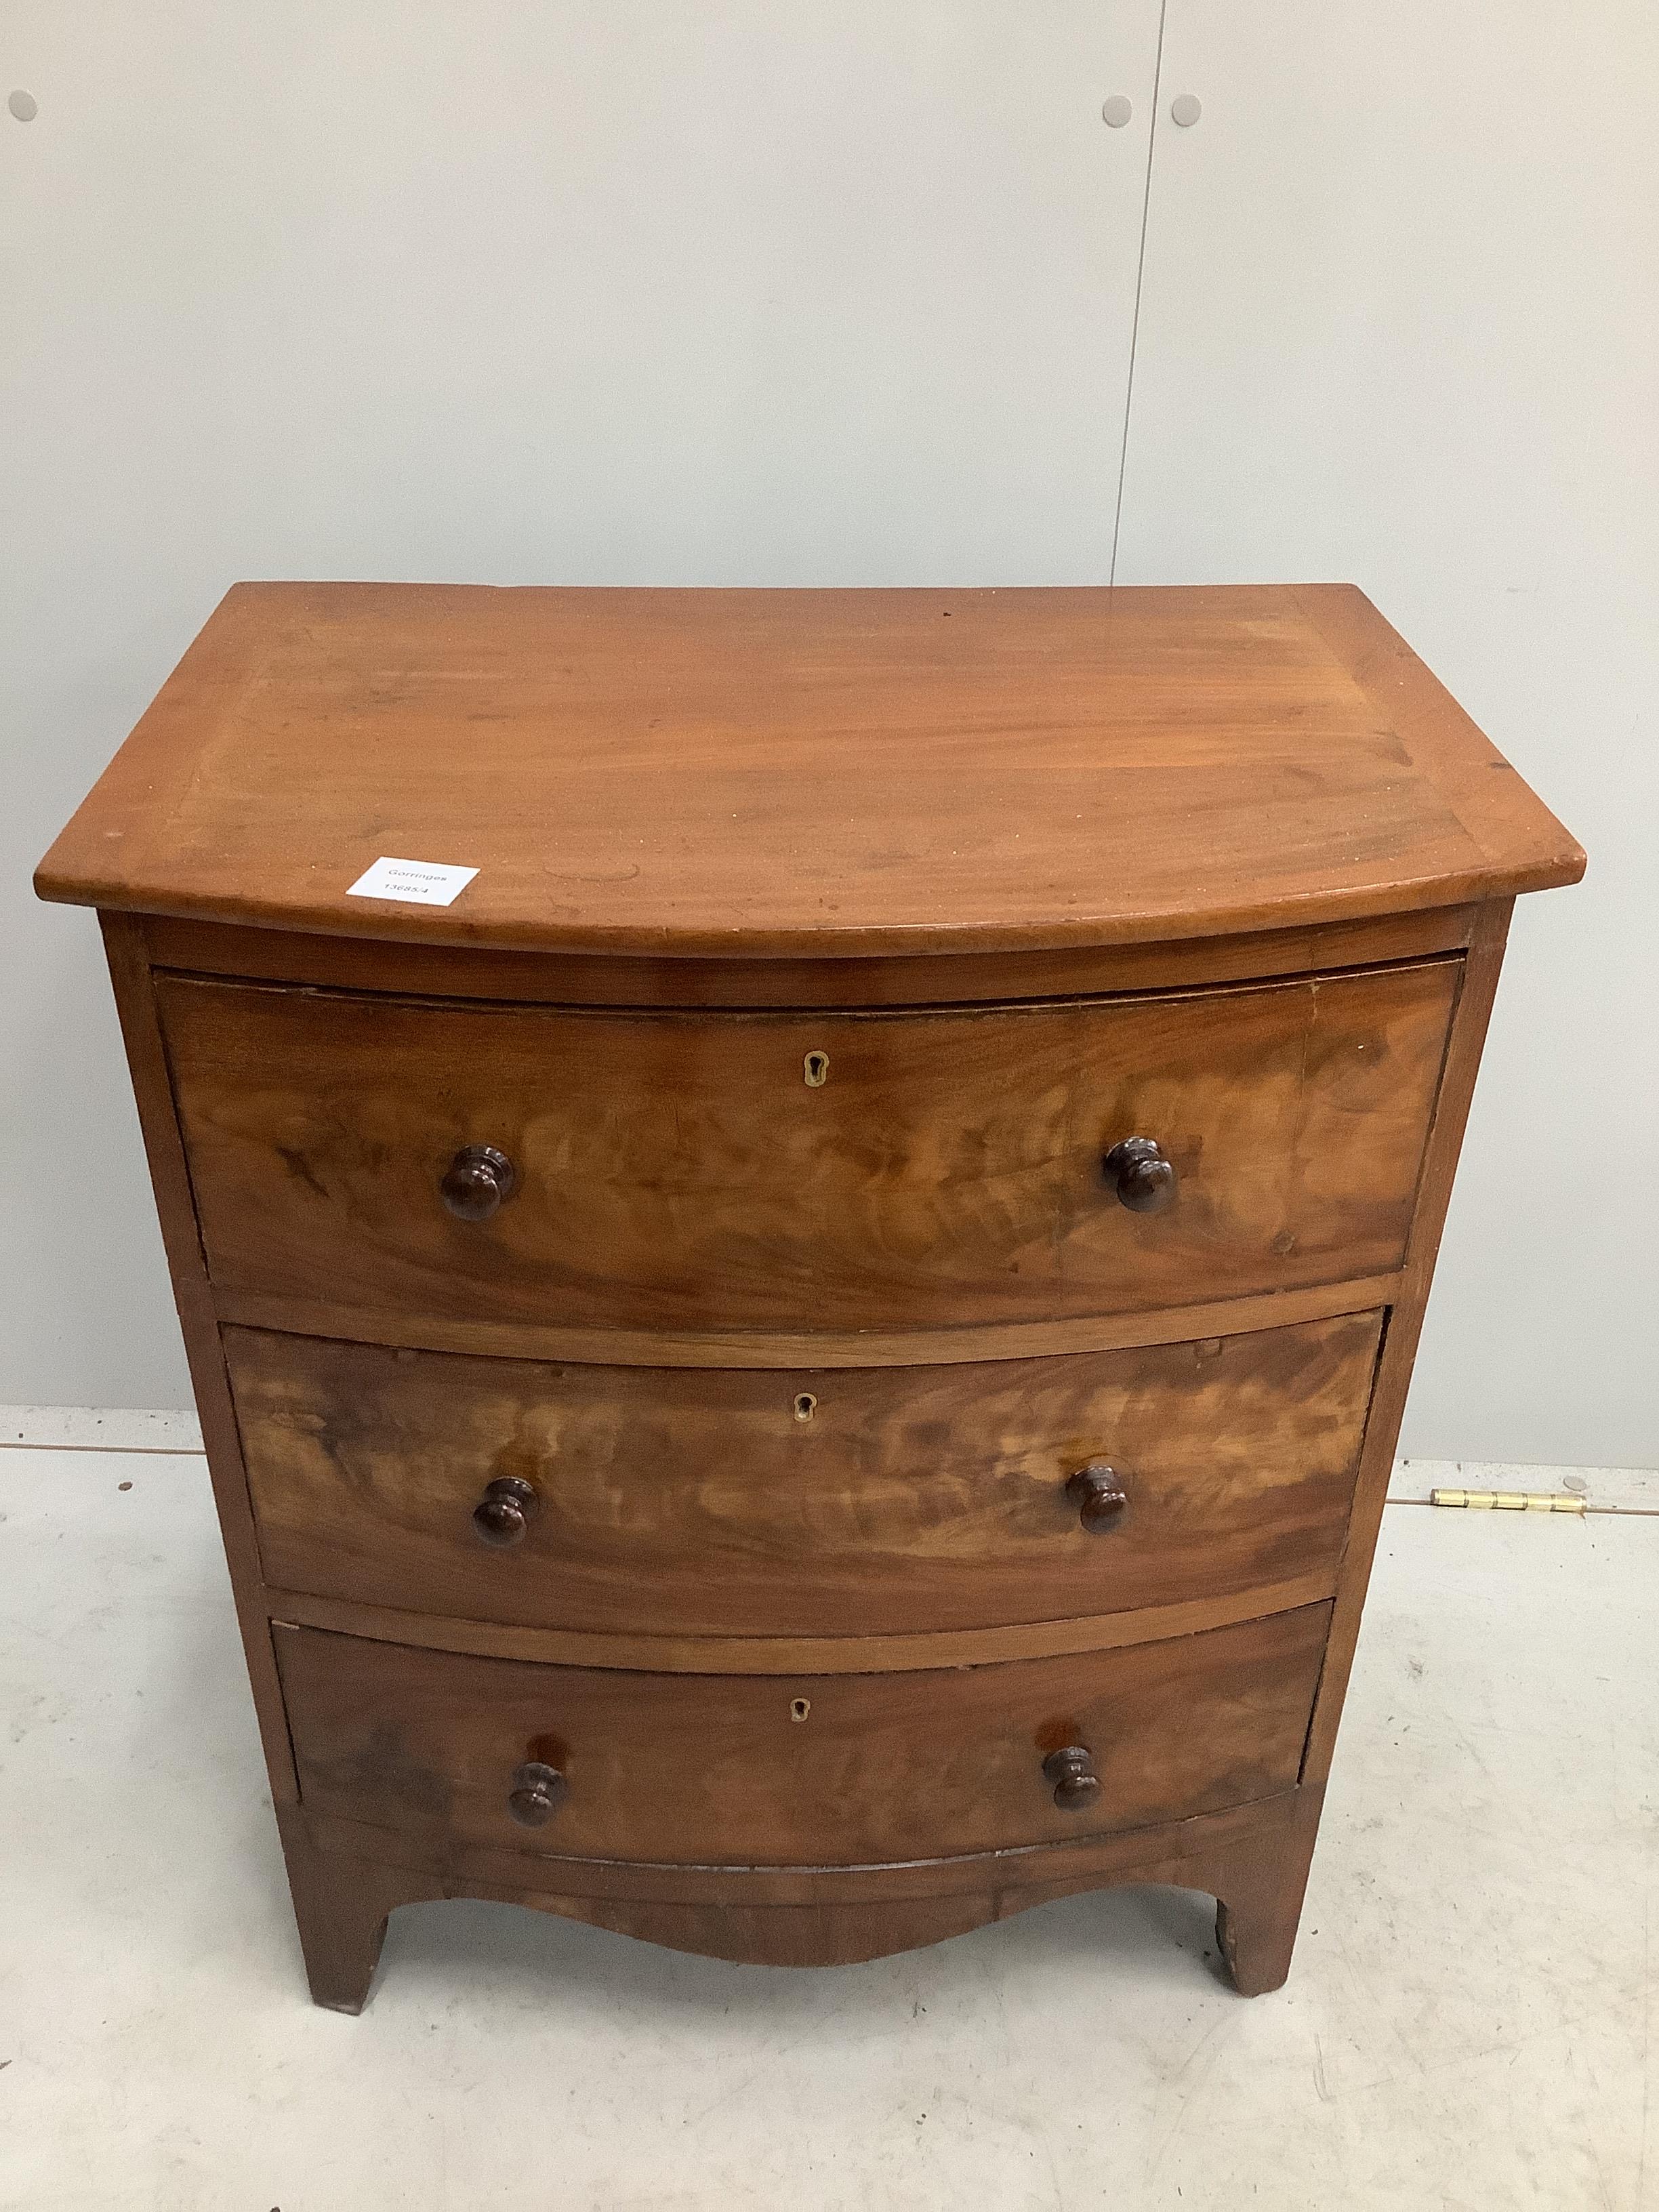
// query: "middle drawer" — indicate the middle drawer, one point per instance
point(846, 1501)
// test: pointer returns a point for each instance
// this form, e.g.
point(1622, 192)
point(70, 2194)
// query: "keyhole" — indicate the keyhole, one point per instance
point(817, 1069)
point(805, 1406)
point(799, 1708)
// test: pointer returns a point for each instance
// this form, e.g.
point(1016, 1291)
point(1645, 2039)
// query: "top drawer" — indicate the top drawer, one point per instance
point(804, 1172)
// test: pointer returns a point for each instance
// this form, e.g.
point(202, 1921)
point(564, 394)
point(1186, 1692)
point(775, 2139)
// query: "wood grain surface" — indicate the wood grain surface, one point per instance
point(565, 1343)
point(612, 979)
point(821, 1769)
point(848, 1502)
point(1046, 1867)
point(788, 772)
point(790, 1916)
point(678, 1171)
point(907, 1652)
point(669, 1211)
point(132, 981)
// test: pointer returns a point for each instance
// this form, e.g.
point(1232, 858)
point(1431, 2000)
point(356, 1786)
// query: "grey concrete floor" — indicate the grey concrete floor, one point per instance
point(1468, 2023)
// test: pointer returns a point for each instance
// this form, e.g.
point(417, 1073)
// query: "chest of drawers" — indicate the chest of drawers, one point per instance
point(812, 1359)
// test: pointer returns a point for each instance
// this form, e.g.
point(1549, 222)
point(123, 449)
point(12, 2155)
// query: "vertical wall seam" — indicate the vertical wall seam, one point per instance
point(1140, 270)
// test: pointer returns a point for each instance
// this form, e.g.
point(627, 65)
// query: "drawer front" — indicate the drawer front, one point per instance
point(844, 1502)
point(718, 1770)
point(682, 1172)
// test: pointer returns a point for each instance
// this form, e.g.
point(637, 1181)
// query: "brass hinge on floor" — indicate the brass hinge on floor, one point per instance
point(1510, 1501)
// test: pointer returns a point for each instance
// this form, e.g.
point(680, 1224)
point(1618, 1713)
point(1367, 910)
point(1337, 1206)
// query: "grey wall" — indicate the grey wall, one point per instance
point(689, 292)
point(1400, 324)
point(683, 291)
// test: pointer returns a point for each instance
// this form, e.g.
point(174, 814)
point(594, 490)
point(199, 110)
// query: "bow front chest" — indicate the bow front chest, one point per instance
point(801, 1219)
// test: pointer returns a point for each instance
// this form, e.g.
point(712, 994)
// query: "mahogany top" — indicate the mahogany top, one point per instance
point(798, 772)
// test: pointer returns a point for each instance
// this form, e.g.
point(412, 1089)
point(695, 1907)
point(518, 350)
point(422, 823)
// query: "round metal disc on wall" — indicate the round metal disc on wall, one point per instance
point(1185, 109)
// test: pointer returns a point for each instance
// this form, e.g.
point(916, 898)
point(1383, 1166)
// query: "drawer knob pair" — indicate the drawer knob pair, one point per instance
point(535, 1791)
point(478, 1180)
point(537, 1787)
point(1142, 1176)
point(506, 1509)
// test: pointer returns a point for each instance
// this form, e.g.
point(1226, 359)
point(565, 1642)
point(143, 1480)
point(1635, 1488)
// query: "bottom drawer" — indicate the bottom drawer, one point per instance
point(813, 1769)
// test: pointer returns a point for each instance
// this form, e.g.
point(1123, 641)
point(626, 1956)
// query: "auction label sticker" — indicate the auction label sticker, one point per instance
point(418, 883)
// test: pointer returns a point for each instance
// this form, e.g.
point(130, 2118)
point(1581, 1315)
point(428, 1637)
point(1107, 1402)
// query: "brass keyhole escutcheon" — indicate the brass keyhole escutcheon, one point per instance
point(799, 1708)
point(817, 1069)
point(805, 1406)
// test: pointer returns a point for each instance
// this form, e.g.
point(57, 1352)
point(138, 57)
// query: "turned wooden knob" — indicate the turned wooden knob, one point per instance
point(506, 1510)
point(1145, 1181)
point(535, 1795)
point(1098, 1496)
point(1071, 1772)
point(476, 1181)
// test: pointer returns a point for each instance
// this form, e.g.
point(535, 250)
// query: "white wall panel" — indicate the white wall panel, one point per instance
point(666, 291)
point(1400, 323)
